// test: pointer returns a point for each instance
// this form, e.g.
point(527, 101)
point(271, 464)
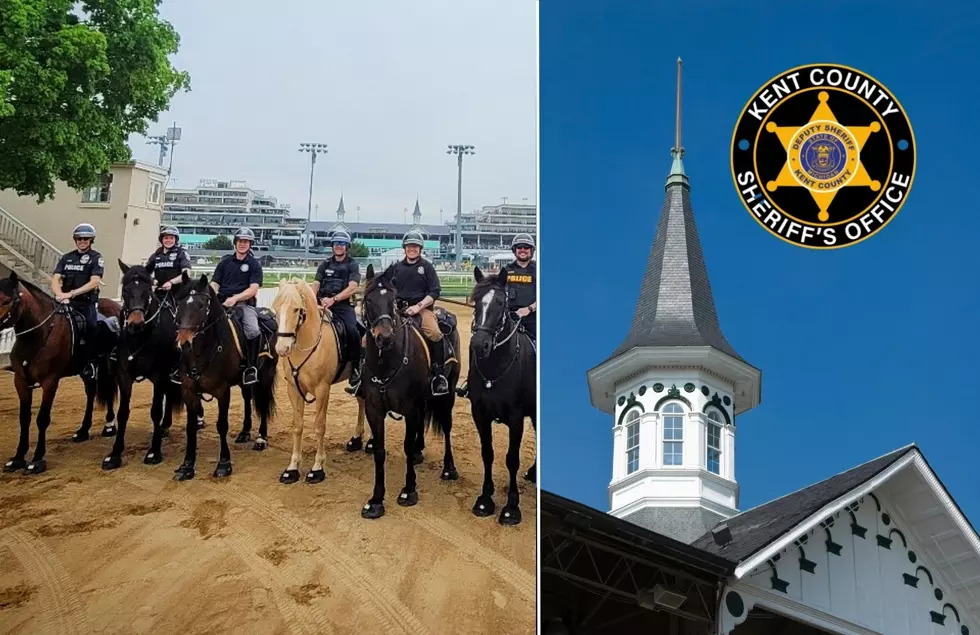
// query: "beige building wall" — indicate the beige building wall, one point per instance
point(127, 225)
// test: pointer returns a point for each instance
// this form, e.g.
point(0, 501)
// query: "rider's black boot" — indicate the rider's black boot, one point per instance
point(440, 385)
point(251, 374)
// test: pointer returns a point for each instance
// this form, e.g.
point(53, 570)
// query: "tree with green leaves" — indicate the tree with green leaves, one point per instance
point(219, 243)
point(76, 80)
point(358, 250)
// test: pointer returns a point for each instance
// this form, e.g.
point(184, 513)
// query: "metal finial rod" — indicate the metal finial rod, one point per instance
point(677, 145)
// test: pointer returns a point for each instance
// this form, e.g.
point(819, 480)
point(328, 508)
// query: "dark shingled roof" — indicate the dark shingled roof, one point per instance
point(756, 528)
point(676, 307)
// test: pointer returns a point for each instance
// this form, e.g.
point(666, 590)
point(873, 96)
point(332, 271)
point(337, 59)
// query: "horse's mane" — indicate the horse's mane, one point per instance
point(136, 272)
point(299, 292)
point(481, 287)
point(9, 288)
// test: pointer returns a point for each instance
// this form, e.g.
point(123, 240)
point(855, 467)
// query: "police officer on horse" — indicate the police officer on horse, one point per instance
point(522, 274)
point(417, 285)
point(75, 282)
point(236, 280)
point(336, 281)
point(169, 261)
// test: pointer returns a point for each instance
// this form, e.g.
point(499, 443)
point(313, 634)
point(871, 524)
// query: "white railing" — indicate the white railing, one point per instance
point(34, 254)
point(6, 341)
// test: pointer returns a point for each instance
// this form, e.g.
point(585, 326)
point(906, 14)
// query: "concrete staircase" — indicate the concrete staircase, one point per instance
point(30, 256)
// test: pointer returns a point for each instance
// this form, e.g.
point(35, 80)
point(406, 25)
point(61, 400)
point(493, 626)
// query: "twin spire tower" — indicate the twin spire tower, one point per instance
point(675, 385)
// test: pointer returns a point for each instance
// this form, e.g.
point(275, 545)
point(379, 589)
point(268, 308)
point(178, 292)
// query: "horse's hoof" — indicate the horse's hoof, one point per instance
point(510, 515)
point(243, 437)
point(484, 507)
point(109, 431)
point(354, 444)
point(373, 510)
point(14, 465)
point(418, 459)
point(260, 444)
point(450, 474)
point(184, 473)
point(531, 475)
point(408, 499)
point(111, 462)
point(36, 467)
point(80, 436)
point(223, 470)
point(153, 458)
point(369, 447)
point(289, 477)
point(316, 476)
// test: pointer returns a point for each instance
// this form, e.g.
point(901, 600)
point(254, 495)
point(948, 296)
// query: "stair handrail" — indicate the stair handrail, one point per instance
point(29, 230)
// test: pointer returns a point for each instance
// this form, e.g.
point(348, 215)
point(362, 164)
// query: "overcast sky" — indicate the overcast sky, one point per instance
point(387, 84)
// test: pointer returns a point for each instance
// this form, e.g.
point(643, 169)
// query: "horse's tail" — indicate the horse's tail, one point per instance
point(106, 386)
point(439, 413)
point(264, 394)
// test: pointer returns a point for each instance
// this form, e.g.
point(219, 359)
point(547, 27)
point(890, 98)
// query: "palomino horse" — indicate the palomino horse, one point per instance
point(311, 347)
point(211, 357)
point(502, 386)
point(43, 353)
point(396, 379)
point(146, 351)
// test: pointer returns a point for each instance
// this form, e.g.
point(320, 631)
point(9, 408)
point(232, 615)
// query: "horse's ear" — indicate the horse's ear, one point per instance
point(477, 274)
point(123, 266)
point(13, 277)
point(389, 274)
point(202, 282)
point(370, 273)
point(502, 278)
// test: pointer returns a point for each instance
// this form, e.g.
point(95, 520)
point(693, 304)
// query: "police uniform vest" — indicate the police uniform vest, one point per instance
point(334, 276)
point(521, 285)
point(168, 265)
point(234, 276)
point(76, 269)
point(416, 280)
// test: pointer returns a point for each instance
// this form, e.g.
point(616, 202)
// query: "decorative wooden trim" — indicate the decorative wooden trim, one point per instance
point(921, 568)
point(911, 580)
point(895, 530)
point(877, 502)
point(716, 402)
point(938, 618)
point(883, 541)
point(670, 396)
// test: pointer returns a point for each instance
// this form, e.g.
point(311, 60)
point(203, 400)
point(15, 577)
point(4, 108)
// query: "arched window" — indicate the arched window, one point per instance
point(673, 416)
point(632, 441)
point(713, 456)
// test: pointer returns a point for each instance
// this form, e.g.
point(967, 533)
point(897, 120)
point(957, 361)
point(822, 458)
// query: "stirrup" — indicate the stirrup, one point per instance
point(463, 390)
point(250, 376)
point(175, 377)
point(439, 392)
point(90, 371)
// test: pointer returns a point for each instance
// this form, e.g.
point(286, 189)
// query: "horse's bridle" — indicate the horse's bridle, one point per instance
point(494, 335)
point(294, 370)
point(397, 324)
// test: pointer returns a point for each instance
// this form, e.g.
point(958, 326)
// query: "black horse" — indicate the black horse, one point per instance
point(211, 359)
point(502, 383)
point(146, 352)
point(396, 379)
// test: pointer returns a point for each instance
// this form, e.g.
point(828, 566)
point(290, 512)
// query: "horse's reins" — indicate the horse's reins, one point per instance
point(403, 325)
point(156, 314)
point(295, 369)
point(494, 333)
point(194, 373)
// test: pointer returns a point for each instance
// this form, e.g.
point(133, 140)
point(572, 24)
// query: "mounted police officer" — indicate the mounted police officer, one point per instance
point(169, 261)
point(336, 281)
point(418, 286)
point(236, 280)
point(76, 282)
point(522, 275)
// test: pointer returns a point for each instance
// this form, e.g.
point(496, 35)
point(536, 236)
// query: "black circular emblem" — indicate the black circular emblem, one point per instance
point(823, 156)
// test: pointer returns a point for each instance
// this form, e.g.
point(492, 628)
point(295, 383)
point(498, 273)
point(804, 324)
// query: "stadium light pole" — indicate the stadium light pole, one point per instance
point(459, 151)
point(313, 149)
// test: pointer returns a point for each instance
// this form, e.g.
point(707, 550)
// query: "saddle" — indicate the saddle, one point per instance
point(268, 327)
point(343, 341)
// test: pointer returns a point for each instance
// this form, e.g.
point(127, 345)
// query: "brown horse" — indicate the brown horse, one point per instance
point(42, 355)
point(310, 346)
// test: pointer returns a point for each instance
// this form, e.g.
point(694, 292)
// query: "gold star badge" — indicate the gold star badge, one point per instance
point(823, 156)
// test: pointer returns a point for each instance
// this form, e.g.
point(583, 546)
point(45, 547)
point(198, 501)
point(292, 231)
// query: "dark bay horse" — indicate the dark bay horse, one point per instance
point(396, 379)
point(211, 356)
point(502, 386)
point(145, 352)
point(47, 338)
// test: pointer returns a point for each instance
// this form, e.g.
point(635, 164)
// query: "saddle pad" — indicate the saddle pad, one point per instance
point(112, 322)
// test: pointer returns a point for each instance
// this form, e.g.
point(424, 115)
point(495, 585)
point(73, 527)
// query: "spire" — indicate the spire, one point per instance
point(417, 214)
point(676, 307)
point(341, 212)
point(677, 168)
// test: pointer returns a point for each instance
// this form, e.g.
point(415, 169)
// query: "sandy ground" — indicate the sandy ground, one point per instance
point(132, 551)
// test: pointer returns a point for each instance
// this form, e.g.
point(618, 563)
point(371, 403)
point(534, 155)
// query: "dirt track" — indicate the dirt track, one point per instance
point(132, 551)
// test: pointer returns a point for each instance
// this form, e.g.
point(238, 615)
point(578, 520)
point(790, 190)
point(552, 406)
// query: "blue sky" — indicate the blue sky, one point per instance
point(864, 349)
